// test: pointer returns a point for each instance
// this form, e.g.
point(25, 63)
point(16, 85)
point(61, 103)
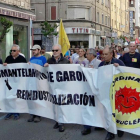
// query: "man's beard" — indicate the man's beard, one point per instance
point(56, 55)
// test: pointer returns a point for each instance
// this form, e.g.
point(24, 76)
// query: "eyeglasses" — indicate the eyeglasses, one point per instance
point(13, 50)
point(55, 50)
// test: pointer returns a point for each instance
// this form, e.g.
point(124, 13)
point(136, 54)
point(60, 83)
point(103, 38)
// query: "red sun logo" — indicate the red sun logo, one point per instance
point(127, 100)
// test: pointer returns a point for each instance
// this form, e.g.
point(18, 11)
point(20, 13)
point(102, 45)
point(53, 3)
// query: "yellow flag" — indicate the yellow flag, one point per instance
point(63, 39)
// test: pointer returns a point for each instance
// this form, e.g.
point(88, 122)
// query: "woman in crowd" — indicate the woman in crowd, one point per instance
point(81, 59)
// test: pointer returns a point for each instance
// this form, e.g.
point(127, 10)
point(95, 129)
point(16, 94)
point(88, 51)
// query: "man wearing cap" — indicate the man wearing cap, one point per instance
point(40, 60)
point(47, 55)
point(132, 58)
point(37, 57)
point(15, 57)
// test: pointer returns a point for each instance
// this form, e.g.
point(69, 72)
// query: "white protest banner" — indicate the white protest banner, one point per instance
point(119, 88)
point(59, 92)
point(107, 97)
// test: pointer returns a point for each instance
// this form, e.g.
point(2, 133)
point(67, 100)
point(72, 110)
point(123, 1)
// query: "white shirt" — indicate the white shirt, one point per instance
point(74, 56)
point(22, 54)
point(95, 63)
point(83, 63)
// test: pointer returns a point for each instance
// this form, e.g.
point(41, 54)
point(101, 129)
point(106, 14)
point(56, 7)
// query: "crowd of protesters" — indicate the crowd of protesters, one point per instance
point(91, 58)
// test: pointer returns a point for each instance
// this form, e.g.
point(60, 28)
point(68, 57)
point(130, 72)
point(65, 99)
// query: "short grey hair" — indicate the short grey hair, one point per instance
point(132, 43)
point(92, 51)
point(58, 45)
point(17, 46)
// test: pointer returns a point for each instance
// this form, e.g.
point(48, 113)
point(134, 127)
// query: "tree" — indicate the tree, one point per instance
point(123, 38)
point(48, 30)
point(6, 27)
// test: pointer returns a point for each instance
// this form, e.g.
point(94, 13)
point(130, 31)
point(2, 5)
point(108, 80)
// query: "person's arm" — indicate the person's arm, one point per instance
point(44, 60)
point(101, 64)
point(1, 61)
point(45, 64)
point(119, 63)
point(6, 61)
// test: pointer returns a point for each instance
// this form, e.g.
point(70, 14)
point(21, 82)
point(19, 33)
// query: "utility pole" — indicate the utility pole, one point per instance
point(45, 10)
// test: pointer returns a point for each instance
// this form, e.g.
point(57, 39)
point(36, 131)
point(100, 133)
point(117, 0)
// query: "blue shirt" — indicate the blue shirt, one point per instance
point(67, 53)
point(114, 60)
point(131, 60)
point(41, 60)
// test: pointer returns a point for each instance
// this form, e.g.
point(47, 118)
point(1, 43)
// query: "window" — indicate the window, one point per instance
point(106, 3)
point(98, 17)
point(78, 13)
point(119, 26)
point(112, 6)
point(108, 21)
point(102, 19)
point(115, 24)
point(105, 20)
point(53, 13)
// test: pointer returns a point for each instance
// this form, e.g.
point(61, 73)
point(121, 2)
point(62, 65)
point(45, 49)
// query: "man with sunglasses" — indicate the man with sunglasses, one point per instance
point(57, 58)
point(15, 57)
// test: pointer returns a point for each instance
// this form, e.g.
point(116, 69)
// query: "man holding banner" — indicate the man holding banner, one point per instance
point(93, 63)
point(15, 57)
point(57, 58)
point(108, 59)
point(132, 58)
point(39, 60)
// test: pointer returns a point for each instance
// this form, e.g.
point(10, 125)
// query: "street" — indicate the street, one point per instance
point(22, 130)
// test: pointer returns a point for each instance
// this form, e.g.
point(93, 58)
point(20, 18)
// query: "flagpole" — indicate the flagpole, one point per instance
point(31, 37)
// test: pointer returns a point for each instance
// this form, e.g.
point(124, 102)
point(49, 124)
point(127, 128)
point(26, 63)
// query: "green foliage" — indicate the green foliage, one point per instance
point(48, 30)
point(6, 27)
point(112, 40)
point(123, 38)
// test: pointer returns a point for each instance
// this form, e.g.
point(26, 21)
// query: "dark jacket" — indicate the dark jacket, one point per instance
point(114, 60)
point(0, 61)
point(129, 60)
point(11, 60)
point(62, 60)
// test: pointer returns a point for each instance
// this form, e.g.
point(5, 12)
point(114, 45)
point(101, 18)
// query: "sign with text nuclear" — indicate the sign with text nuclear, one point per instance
point(107, 97)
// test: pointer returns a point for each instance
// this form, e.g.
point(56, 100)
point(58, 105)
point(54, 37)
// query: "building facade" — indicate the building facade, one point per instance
point(25, 4)
point(87, 22)
point(20, 14)
point(137, 19)
point(119, 19)
point(132, 18)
